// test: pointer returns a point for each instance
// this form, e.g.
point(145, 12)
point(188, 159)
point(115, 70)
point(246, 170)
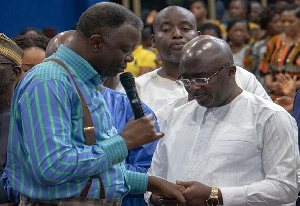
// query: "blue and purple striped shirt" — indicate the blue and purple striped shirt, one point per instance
point(47, 157)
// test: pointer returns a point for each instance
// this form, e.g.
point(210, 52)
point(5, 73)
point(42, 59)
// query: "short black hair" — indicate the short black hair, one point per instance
point(105, 15)
point(266, 15)
point(31, 40)
point(146, 32)
point(237, 20)
point(195, 1)
point(292, 7)
point(210, 26)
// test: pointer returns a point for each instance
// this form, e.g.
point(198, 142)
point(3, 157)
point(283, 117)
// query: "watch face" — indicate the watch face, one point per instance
point(213, 201)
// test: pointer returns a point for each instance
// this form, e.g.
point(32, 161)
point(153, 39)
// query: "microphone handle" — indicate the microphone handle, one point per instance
point(135, 103)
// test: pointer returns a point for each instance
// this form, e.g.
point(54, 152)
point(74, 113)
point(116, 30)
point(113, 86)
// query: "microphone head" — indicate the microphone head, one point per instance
point(127, 80)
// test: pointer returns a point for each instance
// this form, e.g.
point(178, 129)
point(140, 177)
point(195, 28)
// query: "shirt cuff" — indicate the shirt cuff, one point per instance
point(115, 149)
point(233, 196)
point(138, 182)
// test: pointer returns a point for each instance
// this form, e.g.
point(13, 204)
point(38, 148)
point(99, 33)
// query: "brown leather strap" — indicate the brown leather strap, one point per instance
point(89, 131)
point(88, 126)
point(87, 187)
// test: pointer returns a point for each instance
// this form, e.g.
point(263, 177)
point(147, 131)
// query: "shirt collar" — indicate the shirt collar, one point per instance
point(78, 65)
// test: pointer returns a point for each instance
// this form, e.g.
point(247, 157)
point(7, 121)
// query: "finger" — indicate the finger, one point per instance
point(179, 197)
point(153, 122)
point(159, 135)
point(180, 188)
point(149, 116)
point(185, 184)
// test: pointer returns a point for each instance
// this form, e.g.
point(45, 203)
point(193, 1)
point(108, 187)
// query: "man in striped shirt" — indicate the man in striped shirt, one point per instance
point(47, 155)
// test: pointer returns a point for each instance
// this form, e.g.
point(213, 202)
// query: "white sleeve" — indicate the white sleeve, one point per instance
point(280, 159)
point(248, 82)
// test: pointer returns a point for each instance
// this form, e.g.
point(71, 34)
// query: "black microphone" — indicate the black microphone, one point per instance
point(128, 82)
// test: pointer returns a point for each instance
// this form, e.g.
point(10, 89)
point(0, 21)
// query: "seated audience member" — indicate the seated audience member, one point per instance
point(283, 52)
point(271, 24)
point(254, 14)
point(210, 29)
point(238, 37)
point(159, 87)
point(199, 9)
point(237, 9)
point(34, 47)
point(147, 43)
point(10, 68)
point(255, 10)
point(138, 159)
point(239, 149)
point(144, 60)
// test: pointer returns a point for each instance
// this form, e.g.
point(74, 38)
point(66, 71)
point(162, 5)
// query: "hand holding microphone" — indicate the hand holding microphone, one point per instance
point(141, 130)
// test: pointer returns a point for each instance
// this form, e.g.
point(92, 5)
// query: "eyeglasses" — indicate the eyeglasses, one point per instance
point(200, 81)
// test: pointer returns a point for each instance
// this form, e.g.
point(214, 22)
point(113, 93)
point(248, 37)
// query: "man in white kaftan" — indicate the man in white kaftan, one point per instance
point(173, 27)
point(226, 140)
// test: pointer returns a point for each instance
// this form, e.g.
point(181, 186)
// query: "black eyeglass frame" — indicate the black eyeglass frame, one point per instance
point(188, 82)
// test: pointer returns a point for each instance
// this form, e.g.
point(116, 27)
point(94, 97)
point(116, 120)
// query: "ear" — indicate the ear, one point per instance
point(95, 42)
point(232, 71)
point(153, 41)
point(16, 72)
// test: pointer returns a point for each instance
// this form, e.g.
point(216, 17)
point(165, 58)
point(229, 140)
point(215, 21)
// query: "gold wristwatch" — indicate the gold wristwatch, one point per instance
point(213, 198)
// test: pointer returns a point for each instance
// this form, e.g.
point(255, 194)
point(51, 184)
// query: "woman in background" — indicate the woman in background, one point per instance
point(34, 47)
point(238, 36)
point(283, 53)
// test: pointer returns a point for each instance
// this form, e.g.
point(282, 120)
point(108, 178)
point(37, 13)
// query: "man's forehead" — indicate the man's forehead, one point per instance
point(172, 15)
point(171, 22)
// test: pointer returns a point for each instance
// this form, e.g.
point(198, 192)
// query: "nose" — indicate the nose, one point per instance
point(129, 57)
point(177, 33)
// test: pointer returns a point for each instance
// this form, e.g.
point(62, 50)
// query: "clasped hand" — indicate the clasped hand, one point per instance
point(195, 193)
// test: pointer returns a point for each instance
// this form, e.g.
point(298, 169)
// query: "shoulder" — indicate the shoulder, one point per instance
point(185, 111)
point(145, 78)
point(49, 73)
point(113, 97)
point(274, 39)
point(241, 72)
point(148, 75)
point(46, 71)
point(265, 112)
point(260, 104)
